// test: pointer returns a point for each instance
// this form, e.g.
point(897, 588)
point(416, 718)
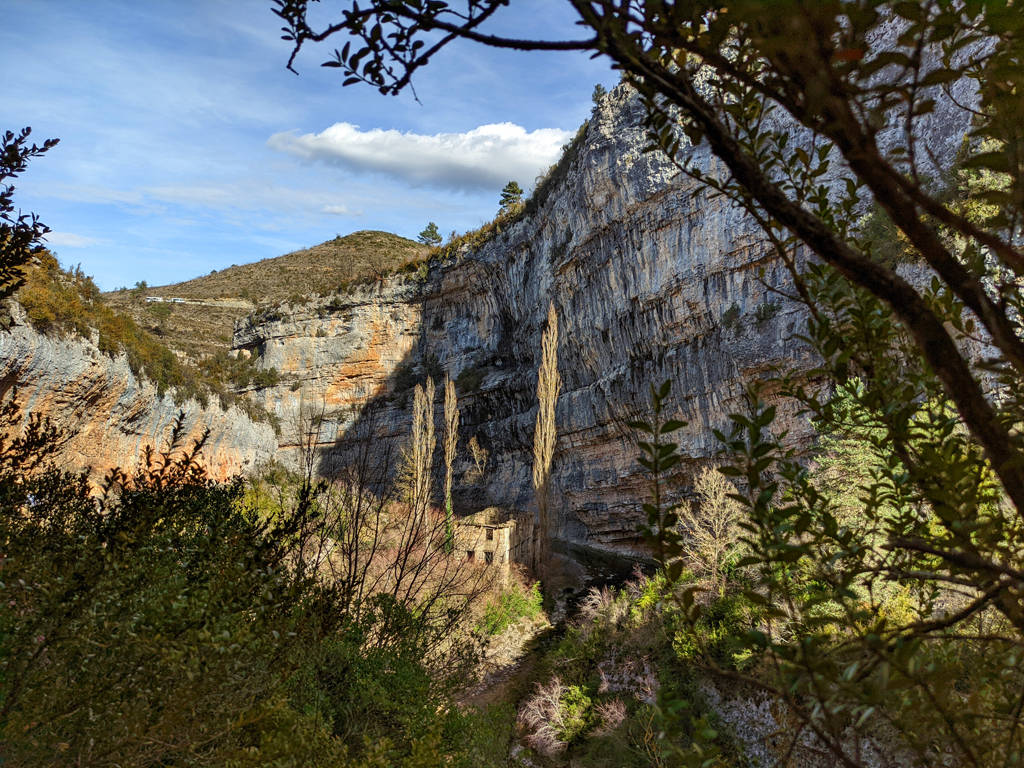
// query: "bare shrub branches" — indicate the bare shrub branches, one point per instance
point(711, 530)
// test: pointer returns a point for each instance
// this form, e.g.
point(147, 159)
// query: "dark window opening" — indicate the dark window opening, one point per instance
point(490, 534)
point(470, 554)
point(488, 557)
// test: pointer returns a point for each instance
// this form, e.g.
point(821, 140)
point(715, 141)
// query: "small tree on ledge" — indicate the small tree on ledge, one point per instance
point(511, 196)
point(430, 236)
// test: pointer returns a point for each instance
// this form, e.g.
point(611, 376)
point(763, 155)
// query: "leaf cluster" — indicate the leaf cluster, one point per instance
point(21, 234)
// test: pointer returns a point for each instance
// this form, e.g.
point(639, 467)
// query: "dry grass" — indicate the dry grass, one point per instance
point(196, 331)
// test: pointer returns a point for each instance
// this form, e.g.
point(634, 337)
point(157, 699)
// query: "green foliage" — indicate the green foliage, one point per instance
point(69, 303)
point(431, 367)
point(21, 234)
point(765, 312)
point(62, 302)
point(172, 621)
point(731, 318)
point(598, 94)
point(157, 623)
point(644, 718)
point(510, 606)
point(578, 713)
point(511, 196)
point(470, 378)
point(659, 456)
point(939, 357)
point(404, 377)
point(238, 372)
point(430, 236)
point(721, 633)
point(161, 311)
point(457, 244)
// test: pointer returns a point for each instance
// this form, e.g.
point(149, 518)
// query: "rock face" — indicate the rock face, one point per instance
point(651, 280)
point(109, 416)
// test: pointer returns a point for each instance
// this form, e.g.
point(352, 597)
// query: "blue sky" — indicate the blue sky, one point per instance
point(186, 146)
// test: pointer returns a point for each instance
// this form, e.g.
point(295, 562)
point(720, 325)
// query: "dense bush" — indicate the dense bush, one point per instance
point(155, 624)
point(470, 378)
point(510, 606)
point(614, 692)
point(238, 372)
point(171, 622)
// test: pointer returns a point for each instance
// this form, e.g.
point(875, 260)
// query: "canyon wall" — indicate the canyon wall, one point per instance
point(109, 416)
point(651, 279)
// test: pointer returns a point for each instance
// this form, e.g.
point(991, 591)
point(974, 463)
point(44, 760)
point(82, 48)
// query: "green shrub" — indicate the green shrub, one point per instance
point(156, 627)
point(721, 633)
point(432, 367)
point(404, 377)
point(731, 318)
point(578, 714)
point(237, 372)
point(470, 379)
point(765, 312)
point(511, 606)
point(170, 623)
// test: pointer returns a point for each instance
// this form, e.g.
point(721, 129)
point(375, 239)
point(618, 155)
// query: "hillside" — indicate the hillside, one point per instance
point(198, 330)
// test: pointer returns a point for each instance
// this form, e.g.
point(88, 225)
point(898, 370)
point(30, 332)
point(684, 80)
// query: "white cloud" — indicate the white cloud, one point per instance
point(339, 210)
point(71, 240)
point(483, 158)
point(251, 195)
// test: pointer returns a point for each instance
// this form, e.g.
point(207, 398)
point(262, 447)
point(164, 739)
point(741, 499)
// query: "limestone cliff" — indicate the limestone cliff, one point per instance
point(109, 416)
point(651, 279)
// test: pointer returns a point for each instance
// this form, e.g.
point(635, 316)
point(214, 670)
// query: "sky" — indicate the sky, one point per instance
point(186, 146)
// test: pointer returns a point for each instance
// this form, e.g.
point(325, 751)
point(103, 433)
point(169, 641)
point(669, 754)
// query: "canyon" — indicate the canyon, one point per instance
point(652, 278)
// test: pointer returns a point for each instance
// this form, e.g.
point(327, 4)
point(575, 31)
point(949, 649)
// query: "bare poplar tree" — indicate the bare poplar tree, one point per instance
point(480, 455)
point(711, 530)
point(451, 439)
point(548, 386)
point(422, 454)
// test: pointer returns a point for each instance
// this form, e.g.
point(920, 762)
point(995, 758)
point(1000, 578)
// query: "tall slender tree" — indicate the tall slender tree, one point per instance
point(422, 455)
point(451, 439)
point(545, 435)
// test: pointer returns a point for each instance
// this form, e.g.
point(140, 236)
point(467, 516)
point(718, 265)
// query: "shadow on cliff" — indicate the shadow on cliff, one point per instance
point(495, 385)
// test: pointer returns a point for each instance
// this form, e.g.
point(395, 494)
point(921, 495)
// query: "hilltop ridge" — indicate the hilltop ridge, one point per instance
point(195, 331)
